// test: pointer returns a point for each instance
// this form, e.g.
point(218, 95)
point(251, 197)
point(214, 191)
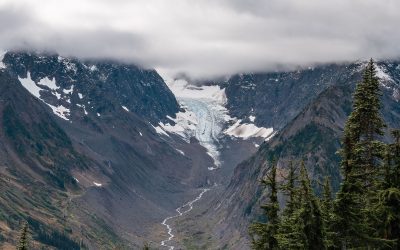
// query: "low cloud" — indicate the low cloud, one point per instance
point(206, 38)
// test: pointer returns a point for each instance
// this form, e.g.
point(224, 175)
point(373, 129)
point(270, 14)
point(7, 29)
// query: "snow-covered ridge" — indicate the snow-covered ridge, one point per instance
point(382, 74)
point(385, 79)
point(380, 70)
point(2, 65)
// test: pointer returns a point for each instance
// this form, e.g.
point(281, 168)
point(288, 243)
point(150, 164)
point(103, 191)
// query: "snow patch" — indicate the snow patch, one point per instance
point(98, 114)
point(70, 66)
point(50, 83)
point(247, 130)
point(126, 109)
point(60, 111)
point(83, 107)
point(80, 95)
point(34, 89)
point(252, 118)
point(382, 74)
point(160, 131)
point(93, 68)
point(30, 85)
point(97, 184)
point(180, 151)
point(2, 65)
point(69, 91)
point(140, 133)
point(185, 125)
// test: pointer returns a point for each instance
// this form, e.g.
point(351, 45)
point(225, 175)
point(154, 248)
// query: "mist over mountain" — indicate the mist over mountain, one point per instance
point(176, 124)
point(209, 38)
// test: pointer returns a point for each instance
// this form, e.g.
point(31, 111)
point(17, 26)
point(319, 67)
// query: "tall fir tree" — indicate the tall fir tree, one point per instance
point(387, 223)
point(327, 201)
point(361, 159)
point(290, 190)
point(303, 228)
point(311, 215)
point(23, 237)
point(327, 211)
point(263, 235)
point(290, 232)
point(146, 246)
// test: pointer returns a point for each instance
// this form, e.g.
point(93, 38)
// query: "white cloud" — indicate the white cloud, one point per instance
point(206, 38)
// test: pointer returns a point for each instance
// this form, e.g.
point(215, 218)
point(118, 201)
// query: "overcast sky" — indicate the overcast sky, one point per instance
point(206, 38)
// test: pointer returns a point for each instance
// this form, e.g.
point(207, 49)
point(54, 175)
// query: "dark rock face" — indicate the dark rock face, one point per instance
point(97, 87)
point(277, 98)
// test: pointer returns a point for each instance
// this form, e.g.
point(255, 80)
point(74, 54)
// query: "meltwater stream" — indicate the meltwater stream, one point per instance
point(188, 207)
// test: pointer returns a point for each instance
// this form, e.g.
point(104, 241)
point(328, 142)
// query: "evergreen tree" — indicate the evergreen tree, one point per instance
point(387, 223)
point(146, 246)
point(327, 211)
point(304, 227)
point(264, 234)
point(291, 191)
point(327, 201)
point(361, 158)
point(310, 213)
point(23, 237)
point(290, 232)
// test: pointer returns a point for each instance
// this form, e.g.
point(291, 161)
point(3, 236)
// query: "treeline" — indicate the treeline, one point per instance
point(47, 237)
point(365, 214)
point(55, 239)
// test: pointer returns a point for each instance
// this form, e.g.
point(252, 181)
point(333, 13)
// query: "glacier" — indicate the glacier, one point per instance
point(204, 116)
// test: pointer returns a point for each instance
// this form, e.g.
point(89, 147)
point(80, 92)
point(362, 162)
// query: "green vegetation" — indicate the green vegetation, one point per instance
point(50, 237)
point(365, 212)
point(43, 142)
point(23, 243)
point(264, 234)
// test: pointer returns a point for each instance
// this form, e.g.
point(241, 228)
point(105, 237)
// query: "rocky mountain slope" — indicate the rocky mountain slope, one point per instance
point(82, 133)
point(313, 135)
